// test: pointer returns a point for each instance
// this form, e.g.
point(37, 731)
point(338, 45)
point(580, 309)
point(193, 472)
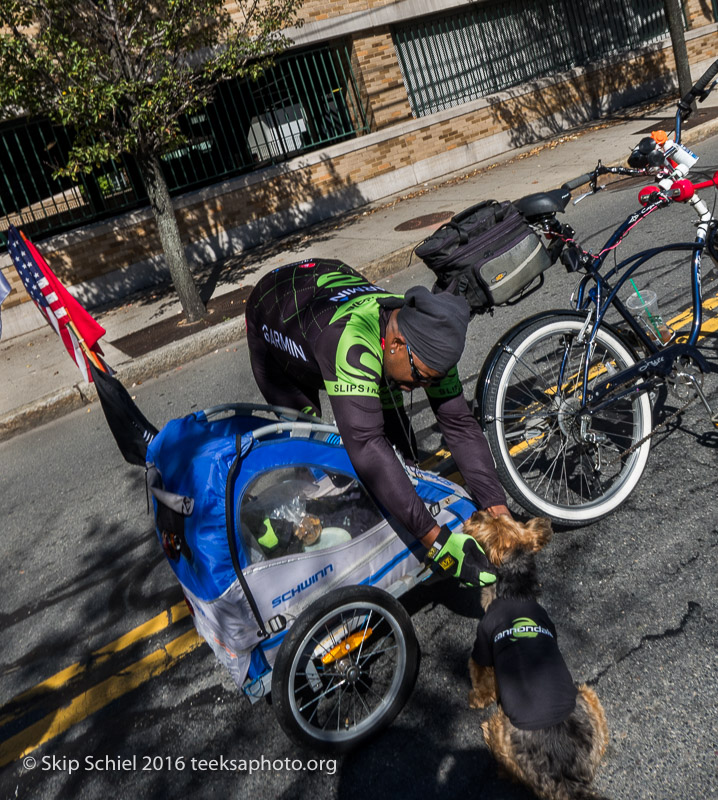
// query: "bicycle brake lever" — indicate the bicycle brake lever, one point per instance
point(586, 194)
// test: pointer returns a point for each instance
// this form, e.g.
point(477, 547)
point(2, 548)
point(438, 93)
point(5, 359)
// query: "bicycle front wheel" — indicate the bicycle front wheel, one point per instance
point(554, 459)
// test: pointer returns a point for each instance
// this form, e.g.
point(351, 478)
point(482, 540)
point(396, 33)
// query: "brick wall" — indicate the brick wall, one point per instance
point(381, 78)
point(698, 12)
point(317, 10)
point(702, 48)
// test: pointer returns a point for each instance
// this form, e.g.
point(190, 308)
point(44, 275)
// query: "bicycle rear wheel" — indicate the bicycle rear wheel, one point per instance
point(553, 459)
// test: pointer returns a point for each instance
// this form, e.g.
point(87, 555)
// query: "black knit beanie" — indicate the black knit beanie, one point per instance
point(434, 326)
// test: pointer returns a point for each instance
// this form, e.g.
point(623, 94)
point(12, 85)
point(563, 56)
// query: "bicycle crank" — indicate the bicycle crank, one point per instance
point(662, 424)
point(589, 438)
point(685, 379)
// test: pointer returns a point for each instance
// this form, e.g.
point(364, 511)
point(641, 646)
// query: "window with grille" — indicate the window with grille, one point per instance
point(446, 61)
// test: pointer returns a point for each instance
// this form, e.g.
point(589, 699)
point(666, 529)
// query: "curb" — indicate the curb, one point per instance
point(701, 132)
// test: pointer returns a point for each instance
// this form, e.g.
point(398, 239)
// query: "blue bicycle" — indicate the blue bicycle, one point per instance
point(565, 397)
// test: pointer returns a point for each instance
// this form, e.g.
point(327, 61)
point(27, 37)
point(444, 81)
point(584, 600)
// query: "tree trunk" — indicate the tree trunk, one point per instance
point(678, 39)
point(162, 208)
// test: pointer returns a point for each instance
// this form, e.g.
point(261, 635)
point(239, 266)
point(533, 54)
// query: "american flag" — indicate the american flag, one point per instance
point(62, 311)
point(4, 292)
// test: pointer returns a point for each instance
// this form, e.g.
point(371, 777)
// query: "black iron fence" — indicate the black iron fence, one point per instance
point(309, 99)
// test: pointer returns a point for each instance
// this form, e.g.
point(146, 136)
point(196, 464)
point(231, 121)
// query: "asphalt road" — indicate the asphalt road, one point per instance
point(633, 598)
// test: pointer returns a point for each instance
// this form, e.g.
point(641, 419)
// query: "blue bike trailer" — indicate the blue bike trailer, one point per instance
point(259, 518)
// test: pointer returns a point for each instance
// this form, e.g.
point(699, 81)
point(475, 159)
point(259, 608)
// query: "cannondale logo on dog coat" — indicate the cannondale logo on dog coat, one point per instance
point(523, 628)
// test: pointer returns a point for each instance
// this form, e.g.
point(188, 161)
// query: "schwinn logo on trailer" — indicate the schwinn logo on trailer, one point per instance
point(300, 587)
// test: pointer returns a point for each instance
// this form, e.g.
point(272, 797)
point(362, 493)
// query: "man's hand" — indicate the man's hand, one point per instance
point(497, 511)
point(459, 555)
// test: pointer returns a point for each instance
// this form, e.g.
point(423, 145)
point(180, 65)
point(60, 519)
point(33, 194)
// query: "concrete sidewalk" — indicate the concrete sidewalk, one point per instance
point(40, 382)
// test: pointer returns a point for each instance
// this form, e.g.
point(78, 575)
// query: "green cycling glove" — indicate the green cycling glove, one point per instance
point(460, 556)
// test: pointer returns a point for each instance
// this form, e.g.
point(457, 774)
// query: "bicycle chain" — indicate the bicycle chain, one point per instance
point(655, 430)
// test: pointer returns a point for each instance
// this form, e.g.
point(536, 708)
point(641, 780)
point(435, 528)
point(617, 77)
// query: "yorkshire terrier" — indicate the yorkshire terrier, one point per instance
point(548, 733)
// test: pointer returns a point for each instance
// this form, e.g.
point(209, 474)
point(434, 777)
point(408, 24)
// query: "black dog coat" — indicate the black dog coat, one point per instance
point(518, 639)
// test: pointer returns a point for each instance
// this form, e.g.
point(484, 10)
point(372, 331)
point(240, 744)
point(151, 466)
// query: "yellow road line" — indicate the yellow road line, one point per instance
point(435, 458)
point(686, 317)
point(707, 327)
point(59, 679)
point(97, 697)
point(521, 446)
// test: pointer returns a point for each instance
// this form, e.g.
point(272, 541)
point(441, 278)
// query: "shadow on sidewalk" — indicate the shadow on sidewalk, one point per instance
point(220, 309)
point(594, 95)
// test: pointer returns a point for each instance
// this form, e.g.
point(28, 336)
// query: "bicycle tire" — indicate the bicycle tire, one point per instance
point(335, 707)
point(533, 428)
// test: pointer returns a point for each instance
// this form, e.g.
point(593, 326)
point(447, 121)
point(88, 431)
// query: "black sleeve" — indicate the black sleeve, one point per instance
point(481, 652)
point(361, 424)
point(469, 447)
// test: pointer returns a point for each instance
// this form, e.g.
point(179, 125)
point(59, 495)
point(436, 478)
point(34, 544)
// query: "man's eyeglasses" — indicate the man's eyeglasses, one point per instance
point(416, 376)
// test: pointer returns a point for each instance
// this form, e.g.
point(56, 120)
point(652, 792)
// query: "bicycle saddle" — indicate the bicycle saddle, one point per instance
point(542, 203)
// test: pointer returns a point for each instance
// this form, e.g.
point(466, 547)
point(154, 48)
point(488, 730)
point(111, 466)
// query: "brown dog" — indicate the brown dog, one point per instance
point(547, 733)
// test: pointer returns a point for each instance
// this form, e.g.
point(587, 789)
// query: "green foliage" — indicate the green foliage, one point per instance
point(123, 72)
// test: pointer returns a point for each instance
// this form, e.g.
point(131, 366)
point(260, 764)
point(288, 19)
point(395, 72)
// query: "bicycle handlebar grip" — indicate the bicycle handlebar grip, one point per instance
point(574, 183)
point(702, 82)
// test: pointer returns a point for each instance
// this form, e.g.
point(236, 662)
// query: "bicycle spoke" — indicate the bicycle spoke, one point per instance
point(338, 707)
point(370, 689)
point(329, 690)
point(557, 449)
point(366, 627)
point(375, 653)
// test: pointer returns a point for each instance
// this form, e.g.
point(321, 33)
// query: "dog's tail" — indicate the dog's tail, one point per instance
point(560, 787)
point(560, 761)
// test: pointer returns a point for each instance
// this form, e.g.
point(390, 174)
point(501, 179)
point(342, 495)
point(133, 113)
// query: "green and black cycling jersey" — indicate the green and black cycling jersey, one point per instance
point(320, 325)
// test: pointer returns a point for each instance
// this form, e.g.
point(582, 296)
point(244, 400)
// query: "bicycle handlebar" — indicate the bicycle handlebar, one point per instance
point(601, 169)
point(574, 183)
point(685, 106)
point(699, 86)
point(680, 192)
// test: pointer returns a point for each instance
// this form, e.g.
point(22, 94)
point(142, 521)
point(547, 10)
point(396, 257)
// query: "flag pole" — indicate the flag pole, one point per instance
point(89, 353)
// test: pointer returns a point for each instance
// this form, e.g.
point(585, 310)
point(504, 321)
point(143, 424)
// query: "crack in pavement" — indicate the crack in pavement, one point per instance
point(669, 633)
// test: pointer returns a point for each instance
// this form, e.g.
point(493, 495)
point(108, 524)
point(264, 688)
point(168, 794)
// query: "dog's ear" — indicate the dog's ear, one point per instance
point(480, 526)
point(541, 532)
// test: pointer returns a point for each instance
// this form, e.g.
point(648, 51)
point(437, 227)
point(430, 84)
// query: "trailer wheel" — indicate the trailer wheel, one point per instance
point(345, 669)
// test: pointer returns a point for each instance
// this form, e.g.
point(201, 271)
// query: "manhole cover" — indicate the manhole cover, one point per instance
point(425, 221)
